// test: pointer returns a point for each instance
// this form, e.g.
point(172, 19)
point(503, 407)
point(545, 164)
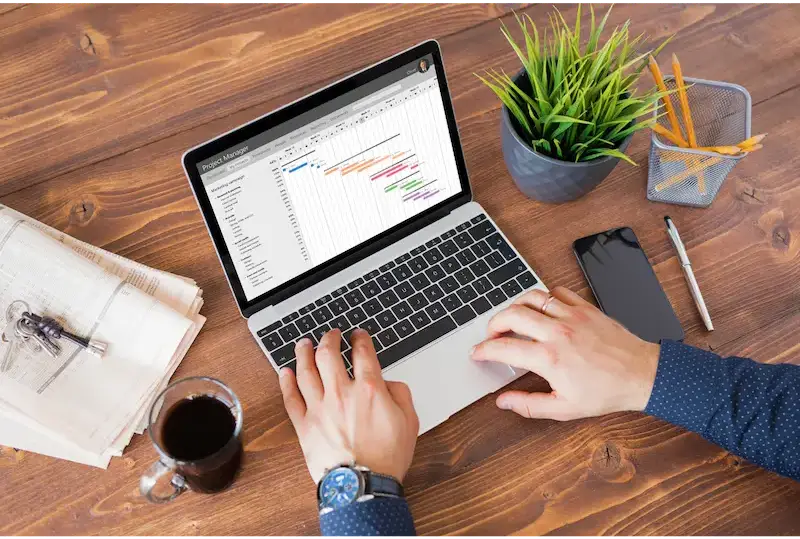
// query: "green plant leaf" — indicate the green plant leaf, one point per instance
point(608, 152)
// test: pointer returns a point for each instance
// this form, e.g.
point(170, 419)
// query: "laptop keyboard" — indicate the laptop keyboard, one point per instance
point(412, 301)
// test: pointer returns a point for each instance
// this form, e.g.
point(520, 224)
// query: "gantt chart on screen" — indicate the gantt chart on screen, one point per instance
point(387, 160)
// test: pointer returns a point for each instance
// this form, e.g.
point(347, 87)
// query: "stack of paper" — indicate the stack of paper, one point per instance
point(77, 406)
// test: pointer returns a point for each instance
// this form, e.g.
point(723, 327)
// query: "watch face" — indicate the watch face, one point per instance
point(339, 488)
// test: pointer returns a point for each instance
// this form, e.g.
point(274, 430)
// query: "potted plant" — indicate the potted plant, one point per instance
point(570, 112)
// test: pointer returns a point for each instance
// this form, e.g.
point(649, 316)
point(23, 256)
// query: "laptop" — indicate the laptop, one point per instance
point(351, 207)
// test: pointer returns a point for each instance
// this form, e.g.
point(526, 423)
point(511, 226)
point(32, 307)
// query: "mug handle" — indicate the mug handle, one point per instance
point(149, 480)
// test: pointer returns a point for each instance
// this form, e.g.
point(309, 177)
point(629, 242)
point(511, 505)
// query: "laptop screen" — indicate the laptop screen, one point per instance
point(328, 180)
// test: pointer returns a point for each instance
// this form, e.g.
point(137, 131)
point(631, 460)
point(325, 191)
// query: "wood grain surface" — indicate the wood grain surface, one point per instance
point(97, 103)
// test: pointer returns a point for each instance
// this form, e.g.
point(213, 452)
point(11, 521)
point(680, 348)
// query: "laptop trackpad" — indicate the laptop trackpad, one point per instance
point(443, 379)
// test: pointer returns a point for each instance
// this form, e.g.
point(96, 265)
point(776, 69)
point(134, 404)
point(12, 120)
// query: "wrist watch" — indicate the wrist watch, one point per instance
point(349, 484)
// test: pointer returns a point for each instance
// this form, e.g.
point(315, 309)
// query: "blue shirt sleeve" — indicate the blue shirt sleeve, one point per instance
point(379, 516)
point(751, 409)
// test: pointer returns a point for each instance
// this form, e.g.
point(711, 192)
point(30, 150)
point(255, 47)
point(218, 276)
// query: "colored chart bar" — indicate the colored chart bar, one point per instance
point(298, 167)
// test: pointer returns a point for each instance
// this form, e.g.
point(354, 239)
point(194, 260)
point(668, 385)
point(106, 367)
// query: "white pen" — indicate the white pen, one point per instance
point(687, 271)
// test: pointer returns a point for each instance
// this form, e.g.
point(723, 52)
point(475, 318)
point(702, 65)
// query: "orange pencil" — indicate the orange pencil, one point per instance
point(684, 101)
point(669, 135)
point(673, 118)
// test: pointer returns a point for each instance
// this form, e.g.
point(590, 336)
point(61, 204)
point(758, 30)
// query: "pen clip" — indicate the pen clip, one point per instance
point(677, 243)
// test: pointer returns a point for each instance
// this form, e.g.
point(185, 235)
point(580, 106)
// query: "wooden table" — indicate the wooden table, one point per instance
point(97, 104)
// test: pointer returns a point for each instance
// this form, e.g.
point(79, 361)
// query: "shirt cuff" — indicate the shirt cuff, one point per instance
point(684, 392)
point(379, 516)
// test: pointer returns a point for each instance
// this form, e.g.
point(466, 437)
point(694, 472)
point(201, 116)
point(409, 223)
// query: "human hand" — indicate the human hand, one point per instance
point(366, 421)
point(593, 364)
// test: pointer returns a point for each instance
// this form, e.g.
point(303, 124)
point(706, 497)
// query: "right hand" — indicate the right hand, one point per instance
point(593, 364)
point(365, 421)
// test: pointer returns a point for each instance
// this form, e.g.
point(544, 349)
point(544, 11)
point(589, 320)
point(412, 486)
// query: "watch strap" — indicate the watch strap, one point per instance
point(383, 485)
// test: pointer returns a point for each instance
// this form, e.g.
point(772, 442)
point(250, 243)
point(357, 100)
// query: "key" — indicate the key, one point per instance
point(388, 337)
point(417, 301)
point(372, 326)
point(463, 240)
point(466, 294)
point(451, 302)
point(289, 333)
point(496, 296)
point(432, 256)
point(448, 248)
point(496, 240)
point(480, 268)
point(404, 328)
point(482, 285)
point(435, 311)
point(401, 272)
point(417, 264)
point(356, 316)
point(283, 355)
point(322, 315)
point(433, 293)
point(48, 328)
point(355, 284)
point(511, 288)
point(320, 331)
point(341, 323)
point(372, 307)
point(451, 264)
point(526, 280)
point(386, 281)
point(481, 230)
point(495, 259)
point(464, 276)
point(420, 319)
point(323, 300)
point(466, 257)
point(463, 315)
point(449, 284)
point(403, 290)
point(354, 298)
point(27, 330)
point(272, 341)
point(506, 272)
point(419, 282)
point(478, 218)
point(388, 298)
point(421, 338)
point(306, 324)
point(386, 318)
point(434, 273)
point(339, 306)
point(481, 249)
point(481, 305)
point(371, 289)
point(402, 309)
point(269, 329)
point(462, 226)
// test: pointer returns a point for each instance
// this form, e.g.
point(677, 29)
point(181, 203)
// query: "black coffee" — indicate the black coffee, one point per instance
point(197, 428)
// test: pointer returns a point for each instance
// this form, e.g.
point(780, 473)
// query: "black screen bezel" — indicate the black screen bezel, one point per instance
point(283, 114)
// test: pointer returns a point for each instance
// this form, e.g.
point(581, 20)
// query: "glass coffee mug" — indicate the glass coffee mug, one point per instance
point(194, 425)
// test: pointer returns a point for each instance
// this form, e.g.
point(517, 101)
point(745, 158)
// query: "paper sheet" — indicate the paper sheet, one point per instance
point(76, 406)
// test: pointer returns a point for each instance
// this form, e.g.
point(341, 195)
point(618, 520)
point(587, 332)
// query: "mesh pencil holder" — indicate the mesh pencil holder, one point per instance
point(721, 116)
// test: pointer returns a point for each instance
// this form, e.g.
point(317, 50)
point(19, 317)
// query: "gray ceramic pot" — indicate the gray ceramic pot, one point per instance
point(544, 178)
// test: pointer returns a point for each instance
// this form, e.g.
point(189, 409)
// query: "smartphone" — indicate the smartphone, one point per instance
point(625, 285)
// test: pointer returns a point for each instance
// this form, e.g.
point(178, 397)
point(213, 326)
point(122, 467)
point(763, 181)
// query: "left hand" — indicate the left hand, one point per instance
point(366, 421)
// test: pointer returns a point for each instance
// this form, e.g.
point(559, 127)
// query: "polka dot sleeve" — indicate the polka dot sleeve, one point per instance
point(379, 516)
point(749, 408)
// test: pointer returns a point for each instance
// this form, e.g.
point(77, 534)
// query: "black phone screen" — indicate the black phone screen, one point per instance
point(625, 285)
